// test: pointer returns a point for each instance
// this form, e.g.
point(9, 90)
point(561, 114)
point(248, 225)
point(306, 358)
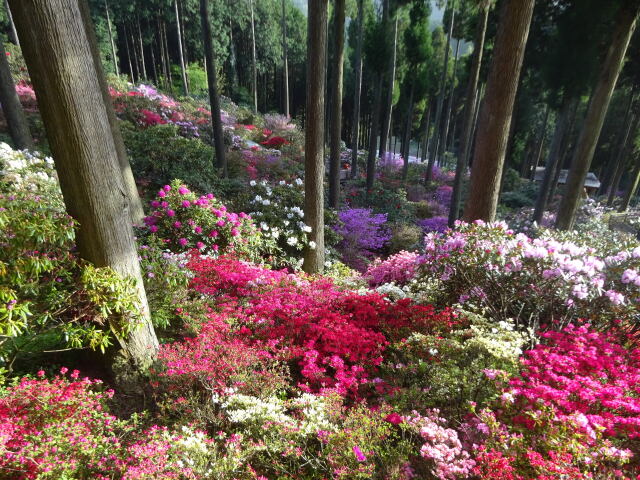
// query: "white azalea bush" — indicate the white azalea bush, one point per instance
point(22, 170)
point(277, 212)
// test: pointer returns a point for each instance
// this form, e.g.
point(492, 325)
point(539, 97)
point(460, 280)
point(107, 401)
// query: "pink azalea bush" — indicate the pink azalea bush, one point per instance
point(183, 221)
point(399, 269)
point(536, 281)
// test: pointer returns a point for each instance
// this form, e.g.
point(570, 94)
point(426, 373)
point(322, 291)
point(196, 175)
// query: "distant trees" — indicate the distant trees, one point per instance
point(336, 104)
point(625, 24)
point(11, 107)
point(55, 42)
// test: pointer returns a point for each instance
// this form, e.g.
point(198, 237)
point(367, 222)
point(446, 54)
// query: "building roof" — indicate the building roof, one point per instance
point(590, 182)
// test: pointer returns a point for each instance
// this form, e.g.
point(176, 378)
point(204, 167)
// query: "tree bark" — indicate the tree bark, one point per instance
point(14, 34)
point(388, 108)
point(11, 106)
point(63, 71)
point(624, 26)
point(134, 49)
point(314, 134)
point(357, 93)
point(136, 210)
point(632, 188)
point(214, 99)
point(111, 40)
point(373, 136)
point(623, 155)
point(336, 104)
point(165, 46)
point(183, 70)
point(285, 60)
point(450, 101)
point(496, 110)
point(441, 92)
point(407, 135)
point(141, 44)
point(126, 44)
point(254, 67)
point(468, 114)
point(425, 139)
point(530, 173)
point(554, 157)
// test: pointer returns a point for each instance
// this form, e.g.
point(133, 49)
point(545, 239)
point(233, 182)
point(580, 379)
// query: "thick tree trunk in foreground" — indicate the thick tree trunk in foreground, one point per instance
point(388, 107)
point(357, 93)
point(314, 134)
point(632, 188)
point(214, 99)
point(63, 71)
point(497, 108)
point(136, 210)
point(624, 26)
point(336, 105)
point(441, 92)
point(554, 158)
point(468, 114)
point(11, 106)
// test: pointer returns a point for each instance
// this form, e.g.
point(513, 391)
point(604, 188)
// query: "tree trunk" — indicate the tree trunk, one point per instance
point(407, 136)
point(336, 104)
point(14, 35)
point(285, 60)
point(441, 92)
point(497, 107)
point(621, 161)
point(633, 186)
point(314, 134)
point(111, 40)
point(55, 43)
point(254, 67)
point(183, 70)
point(214, 99)
point(388, 108)
point(585, 148)
point(450, 101)
point(11, 106)
point(425, 138)
point(141, 44)
point(357, 93)
point(373, 136)
point(134, 49)
point(530, 174)
point(563, 151)
point(136, 209)
point(126, 44)
point(554, 157)
point(154, 67)
point(165, 46)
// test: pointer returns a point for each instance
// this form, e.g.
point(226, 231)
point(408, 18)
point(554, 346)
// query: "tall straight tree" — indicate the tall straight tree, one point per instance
point(55, 47)
point(391, 78)
point(355, 122)
point(11, 107)
point(183, 70)
point(212, 80)
point(441, 93)
point(624, 153)
point(114, 57)
point(469, 107)
point(314, 134)
point(336, 104)
point(497, 108)
point(285, 60)
point(254, 66)
point(14, 35)
point(634, 181)
point(625, 25)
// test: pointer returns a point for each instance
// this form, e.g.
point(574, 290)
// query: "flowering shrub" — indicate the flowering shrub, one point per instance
point(434, 224)
point(539, 281)
point(277, 210)
point(398, 269)
point(28, 171)
point(183, 221)
point(391, 161)
point(363, 233)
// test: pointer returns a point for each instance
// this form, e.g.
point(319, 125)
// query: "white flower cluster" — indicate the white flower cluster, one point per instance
point(27, 170)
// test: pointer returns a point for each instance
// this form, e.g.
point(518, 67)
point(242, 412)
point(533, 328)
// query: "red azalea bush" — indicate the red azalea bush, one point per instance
point(335, 337)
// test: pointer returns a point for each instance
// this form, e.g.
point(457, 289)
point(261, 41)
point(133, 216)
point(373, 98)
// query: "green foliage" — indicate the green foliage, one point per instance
point(405, 237)
point(158, 154)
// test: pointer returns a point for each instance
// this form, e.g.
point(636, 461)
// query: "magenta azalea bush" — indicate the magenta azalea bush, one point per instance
point(398, 269)
point(183, 220)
